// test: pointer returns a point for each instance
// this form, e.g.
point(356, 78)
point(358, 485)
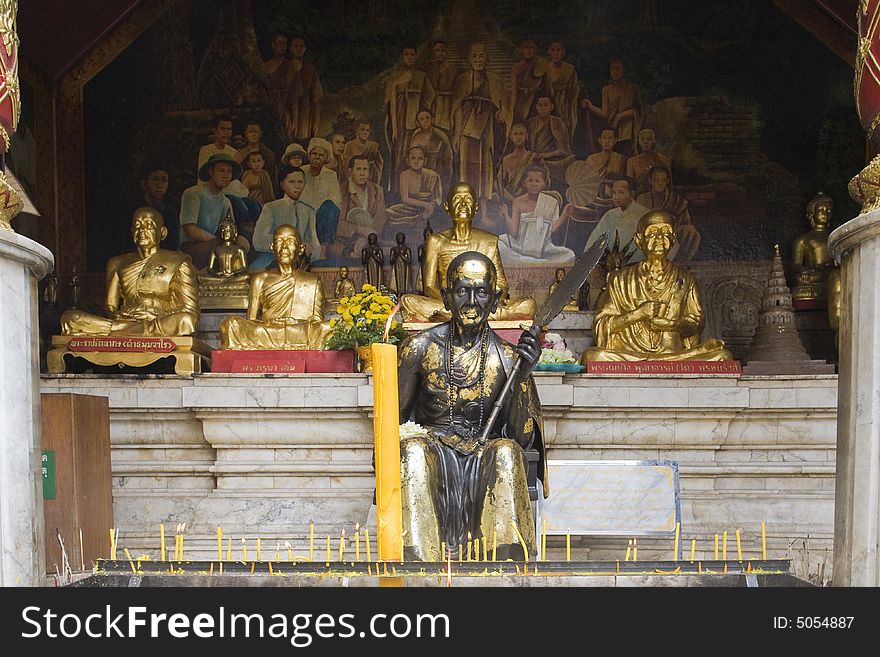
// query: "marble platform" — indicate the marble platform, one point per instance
point(265, 455)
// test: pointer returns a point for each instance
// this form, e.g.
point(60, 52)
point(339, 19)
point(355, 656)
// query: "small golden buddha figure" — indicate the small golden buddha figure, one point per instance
point(573, 303)
point(228, 261)
point(651, 310)
point(286, 309)
point(344, 287)
point(150, 292)
point(810, 253)
point(443, 247)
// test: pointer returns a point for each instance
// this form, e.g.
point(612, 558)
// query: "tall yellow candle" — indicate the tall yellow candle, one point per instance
point(311, 541)
point(716, 546)
point(693, 548)
point(357, 542)
point(522, 542)
point(469, 544)
point(219, 544)
point(739, 551)
point(476, 549)
point(763, 540)
point(485, 549)
point(675, 545)
point(494, 543)
point(328, 549)
point(162, 541)
point(243, 550)
point(367, 543)
point(724, 545)
point(386, 432)
point(629, 545)
point(443, 550)
point(568, 546)
point(289, 550)
point(459, 552)
point(259, 553)
point(635, 549)
point(543, 539)
point(342, 546)
point(112, 546)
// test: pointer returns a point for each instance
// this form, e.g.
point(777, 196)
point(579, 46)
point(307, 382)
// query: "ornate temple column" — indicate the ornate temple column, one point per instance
point(856, 246)
point(22, 553)
point(22, 263)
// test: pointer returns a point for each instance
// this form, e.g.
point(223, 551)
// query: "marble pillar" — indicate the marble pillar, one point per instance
point(856, 246)
point(22, 553)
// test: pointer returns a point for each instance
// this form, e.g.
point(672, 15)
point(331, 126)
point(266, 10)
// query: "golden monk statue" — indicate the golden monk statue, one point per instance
point(344, 287)
point(651, 310)
point(150, 292)
point(286, 309)
point(810, 253)
point(453, 487)
point(572, 305)
point(440, 250)
point(228, 260)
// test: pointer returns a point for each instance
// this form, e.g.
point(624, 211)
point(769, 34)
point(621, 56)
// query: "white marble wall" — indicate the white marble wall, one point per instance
point(268, 455)
point(22, 554)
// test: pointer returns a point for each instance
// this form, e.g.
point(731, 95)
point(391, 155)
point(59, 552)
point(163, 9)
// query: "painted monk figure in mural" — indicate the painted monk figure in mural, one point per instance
point(407, 92)
point(442, 75)
point(550, 139)
point(298, 94)
point(478, 120)
point(564, 87)
point(639, 166)
point(435, 144)
point(512, 171)
point(528, 81)
point(363, 146)
point(621, 107)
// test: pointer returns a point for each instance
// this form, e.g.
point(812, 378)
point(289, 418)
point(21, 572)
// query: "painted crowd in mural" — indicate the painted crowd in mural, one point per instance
point(351, 120)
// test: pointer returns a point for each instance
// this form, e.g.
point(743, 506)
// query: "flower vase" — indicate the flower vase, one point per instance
point(365, 356)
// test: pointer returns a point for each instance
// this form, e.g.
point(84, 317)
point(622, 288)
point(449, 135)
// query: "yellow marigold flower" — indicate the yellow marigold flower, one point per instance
point(356, 310)
point(333, 322)
point(394, 323)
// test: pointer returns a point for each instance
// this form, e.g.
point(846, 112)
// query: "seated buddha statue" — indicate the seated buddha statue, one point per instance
point(150, 292)
point(286, 306)
point(442, 248)
point(228, 261)
point(651, 310)
point(810, 253)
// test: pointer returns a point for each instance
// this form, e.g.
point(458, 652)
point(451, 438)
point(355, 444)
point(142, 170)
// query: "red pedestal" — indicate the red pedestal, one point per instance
point(282, 362)
point(665, 367)
point(808, 304)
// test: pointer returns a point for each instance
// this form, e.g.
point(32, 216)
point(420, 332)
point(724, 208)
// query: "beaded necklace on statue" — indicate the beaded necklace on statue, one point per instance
point(455, 381)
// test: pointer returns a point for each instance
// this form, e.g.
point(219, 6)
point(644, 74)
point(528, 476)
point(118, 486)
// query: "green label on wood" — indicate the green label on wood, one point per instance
point(48, 474)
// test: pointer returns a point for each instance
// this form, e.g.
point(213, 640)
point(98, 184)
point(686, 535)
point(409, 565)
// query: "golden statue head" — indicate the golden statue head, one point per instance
point(286, 244)
point(461, 203)
point(819, 211)
point(148, 227)
point(655, 234)
point(470, 293)
point(227, 229)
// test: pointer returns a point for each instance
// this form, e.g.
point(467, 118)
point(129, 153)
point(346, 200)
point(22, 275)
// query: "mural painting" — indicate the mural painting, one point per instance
point(354, 119)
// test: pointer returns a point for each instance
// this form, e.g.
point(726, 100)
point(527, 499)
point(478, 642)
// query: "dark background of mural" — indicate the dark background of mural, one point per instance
point(755, 112)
